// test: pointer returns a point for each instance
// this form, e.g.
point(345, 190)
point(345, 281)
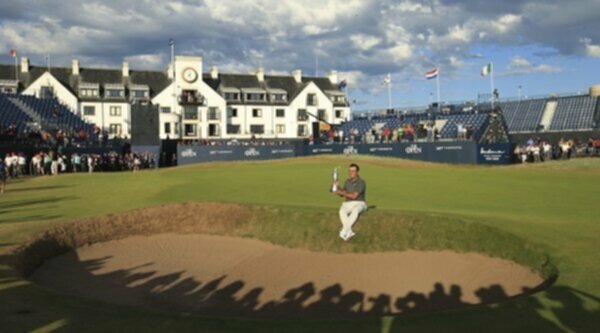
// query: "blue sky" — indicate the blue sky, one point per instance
point(543, 45)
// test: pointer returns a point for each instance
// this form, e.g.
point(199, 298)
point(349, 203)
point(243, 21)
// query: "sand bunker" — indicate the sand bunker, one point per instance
point(227, 276)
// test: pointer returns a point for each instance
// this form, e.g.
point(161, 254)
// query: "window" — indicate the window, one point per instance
point(339, 113)
point(165, 109)
point(280, 113)
point(278, 97)
point(257, 129)
point(311, 99)
point(167, 128)
point(190, 113)
point(114, 111)
point(232, 96)
point(233, 129)
point(279, 129)
point(88, 92)
point(302, 130)
point(302, 115)
point(322, 114)
point(233, 113)
point(213, 113)
point(45, 92)
point(339, 99)
point(114, 93)
point(189, 130)
point(256, 113)
point(89, 110)
point(139, 93)
point(114, 129)
point(255, 97)
point(214, 130)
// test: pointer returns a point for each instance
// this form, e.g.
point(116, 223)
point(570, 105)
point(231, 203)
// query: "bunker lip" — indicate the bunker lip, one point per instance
point(227, 276)
point(137, 258)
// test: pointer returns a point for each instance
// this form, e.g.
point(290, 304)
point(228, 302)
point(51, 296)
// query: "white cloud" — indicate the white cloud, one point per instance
point(521, 66)
point(591, 49)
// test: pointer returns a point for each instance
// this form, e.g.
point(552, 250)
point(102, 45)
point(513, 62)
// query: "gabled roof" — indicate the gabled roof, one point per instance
point(157, 81)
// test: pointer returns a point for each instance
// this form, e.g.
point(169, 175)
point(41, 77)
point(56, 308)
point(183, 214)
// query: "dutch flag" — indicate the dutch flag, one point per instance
point(432, 74)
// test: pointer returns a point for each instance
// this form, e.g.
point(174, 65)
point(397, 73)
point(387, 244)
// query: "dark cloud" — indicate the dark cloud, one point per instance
point(370, 37)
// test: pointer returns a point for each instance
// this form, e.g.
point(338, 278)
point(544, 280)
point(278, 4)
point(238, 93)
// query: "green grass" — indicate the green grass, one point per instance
point(515, 212)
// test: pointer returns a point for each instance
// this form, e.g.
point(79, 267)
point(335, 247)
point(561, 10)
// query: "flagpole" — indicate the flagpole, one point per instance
point(17, 70)
point(390, 94)
point(492, 83)
point(437, 81)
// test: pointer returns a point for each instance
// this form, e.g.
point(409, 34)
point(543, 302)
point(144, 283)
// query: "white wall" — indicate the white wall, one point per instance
point(63, 94)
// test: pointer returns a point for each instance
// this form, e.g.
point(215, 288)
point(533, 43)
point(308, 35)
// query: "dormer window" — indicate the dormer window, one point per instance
point(89, 90)
point(114, 91)
point(255, 97)
point(278, 98)
point(232, 96)
point(139, 93)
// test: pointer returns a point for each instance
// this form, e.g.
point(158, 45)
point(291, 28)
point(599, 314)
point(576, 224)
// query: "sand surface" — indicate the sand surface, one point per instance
point(227, 276)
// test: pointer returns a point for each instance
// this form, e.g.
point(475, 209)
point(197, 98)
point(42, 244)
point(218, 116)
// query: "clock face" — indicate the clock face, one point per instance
point(190, 75)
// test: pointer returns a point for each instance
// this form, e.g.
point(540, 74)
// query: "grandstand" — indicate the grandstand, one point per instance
point(11, 115)
point(54, 115)
point(47, 113)
point(552, 115)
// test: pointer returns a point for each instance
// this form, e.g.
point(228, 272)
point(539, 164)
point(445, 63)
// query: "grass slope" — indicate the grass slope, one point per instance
point(551, 207)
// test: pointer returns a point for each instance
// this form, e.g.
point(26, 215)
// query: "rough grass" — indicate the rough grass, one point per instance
point(381, 231)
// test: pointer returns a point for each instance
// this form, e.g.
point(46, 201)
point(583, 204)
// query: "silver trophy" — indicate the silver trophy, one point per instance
point(334, 186)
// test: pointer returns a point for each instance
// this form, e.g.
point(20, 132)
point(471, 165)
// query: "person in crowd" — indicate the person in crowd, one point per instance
point(3, 176)
point(22, 164)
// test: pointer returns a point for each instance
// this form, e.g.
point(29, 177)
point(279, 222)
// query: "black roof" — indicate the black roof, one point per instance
point(159, 80)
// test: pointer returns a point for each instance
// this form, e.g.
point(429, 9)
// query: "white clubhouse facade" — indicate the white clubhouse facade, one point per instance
point(192, 104)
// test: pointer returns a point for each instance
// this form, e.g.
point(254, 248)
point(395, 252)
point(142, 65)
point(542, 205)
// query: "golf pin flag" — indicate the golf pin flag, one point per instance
point(487, 69)
point(432, 74)
point(13, 53)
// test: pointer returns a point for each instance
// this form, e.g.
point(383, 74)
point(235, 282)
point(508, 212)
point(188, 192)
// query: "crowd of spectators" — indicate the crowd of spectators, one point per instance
point(538, 150)
point(53, 138)
point(54, 163)
point(405, 133)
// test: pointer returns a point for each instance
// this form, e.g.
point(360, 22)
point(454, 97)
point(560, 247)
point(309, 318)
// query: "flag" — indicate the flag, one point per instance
point(13, 53)
point(342, 84)
point(387, 80)
point(487, 69)
point(432, 74)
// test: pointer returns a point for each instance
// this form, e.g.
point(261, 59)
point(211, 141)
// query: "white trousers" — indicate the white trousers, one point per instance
point(349, 213)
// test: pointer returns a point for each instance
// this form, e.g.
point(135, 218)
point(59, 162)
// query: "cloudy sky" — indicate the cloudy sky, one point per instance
point(541, 45)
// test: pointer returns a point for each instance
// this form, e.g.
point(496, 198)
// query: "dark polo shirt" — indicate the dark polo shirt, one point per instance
point(356, 186)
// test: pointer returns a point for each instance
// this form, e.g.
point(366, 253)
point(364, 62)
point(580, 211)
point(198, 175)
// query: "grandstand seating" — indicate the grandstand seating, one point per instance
point(523, 116)
point(11, 114)
point(574, 113)
point(54, 114)
point(448, 131)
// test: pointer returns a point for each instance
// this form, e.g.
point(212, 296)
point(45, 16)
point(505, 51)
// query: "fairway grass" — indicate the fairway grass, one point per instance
point(529, 214)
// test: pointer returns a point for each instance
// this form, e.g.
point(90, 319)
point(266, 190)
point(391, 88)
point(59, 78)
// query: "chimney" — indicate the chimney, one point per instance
point(333, 77)
point(297, 75)
point(125, 69)
point(75, 66)
point(170, 72)
point(24, 65)
point(214, 72)
point(260, 74)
